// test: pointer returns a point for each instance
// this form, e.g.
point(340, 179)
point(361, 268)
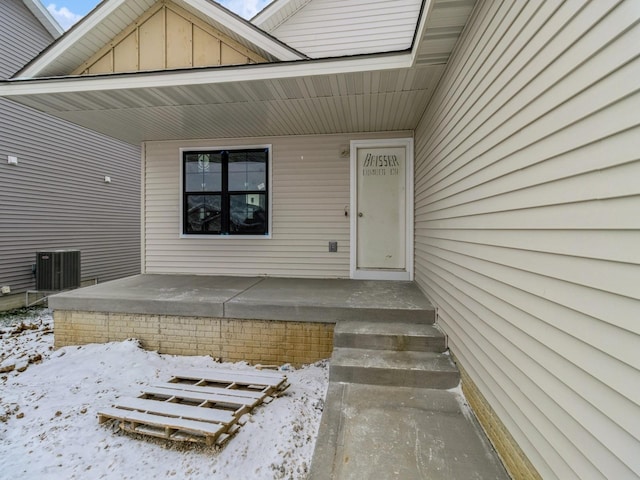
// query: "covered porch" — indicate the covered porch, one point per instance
point(257, 319)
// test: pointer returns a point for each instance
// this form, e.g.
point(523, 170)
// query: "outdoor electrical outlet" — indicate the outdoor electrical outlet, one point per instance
point(5, 290)
point(333, 247)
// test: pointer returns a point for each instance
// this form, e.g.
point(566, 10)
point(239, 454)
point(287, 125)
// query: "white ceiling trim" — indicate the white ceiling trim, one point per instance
point(215, 75)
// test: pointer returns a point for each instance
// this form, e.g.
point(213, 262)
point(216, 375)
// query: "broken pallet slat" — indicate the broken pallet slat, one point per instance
point(192, 396)
point(187, 412)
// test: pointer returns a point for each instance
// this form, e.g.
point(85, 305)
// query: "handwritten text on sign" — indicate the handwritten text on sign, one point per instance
point(380, 165)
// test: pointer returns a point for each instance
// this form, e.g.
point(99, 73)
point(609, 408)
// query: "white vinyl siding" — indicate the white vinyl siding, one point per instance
point(56, 198)
point(331, 28)
point(528, 225)
point(310, 191)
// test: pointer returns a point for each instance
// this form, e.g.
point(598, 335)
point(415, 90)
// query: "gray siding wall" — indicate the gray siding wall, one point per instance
point(56, 196)
point(22, 37)
point(528, 225)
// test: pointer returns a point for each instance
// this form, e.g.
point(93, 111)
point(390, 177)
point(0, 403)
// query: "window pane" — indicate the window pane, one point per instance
point(247, 171)
point(204, 213)
point(203, 172)
point(248, 213)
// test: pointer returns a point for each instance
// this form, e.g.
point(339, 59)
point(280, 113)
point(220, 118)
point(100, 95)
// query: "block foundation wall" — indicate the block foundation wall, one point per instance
point(512, 456)
point(230, 340)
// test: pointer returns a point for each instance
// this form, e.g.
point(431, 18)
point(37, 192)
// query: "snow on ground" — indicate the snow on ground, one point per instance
point(49, 428)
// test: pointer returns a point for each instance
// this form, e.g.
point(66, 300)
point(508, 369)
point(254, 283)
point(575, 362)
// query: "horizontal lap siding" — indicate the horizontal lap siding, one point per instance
point(56, 198)
point(527, 226)
point(310, 192)
point(22, 37)
point(327, 28)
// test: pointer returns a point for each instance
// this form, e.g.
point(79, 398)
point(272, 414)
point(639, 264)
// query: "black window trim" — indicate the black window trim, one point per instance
point(267, 191)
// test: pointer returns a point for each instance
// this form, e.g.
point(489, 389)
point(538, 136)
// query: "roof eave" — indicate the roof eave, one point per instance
point(252, 33)
point(207, 75)
point(44, 17)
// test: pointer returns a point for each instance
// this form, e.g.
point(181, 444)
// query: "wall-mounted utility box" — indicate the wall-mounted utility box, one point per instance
point(333, 247)
point(57, 270)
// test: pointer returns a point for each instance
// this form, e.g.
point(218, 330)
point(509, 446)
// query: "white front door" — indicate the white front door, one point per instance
point(380, 209)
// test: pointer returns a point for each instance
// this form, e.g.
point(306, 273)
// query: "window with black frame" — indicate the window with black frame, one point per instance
point(225, 192)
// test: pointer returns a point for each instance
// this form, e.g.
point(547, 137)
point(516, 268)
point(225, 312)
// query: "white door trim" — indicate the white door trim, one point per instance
point(356, 273)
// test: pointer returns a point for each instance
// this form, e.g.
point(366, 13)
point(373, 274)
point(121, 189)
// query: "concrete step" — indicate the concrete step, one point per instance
point(384, 367)
point(398, 336)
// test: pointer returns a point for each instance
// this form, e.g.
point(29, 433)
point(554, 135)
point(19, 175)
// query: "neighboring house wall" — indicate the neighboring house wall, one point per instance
point(56, 197)
point(528, 226)
point(310, 193)
point(22, 37)
point(331, 28)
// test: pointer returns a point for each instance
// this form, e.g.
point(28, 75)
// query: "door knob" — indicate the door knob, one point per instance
point(360, 214)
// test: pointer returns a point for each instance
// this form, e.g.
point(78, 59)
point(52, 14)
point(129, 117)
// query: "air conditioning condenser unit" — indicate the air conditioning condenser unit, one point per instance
point(57, 270)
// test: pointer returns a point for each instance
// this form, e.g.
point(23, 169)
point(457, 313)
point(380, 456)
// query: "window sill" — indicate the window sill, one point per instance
point(227, 237)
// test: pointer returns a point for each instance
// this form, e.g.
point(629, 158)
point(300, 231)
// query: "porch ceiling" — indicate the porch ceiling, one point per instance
point(363, 93)
point(361, 101)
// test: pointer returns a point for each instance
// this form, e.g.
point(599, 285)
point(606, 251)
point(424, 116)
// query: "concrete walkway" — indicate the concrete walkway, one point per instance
point(376, 432)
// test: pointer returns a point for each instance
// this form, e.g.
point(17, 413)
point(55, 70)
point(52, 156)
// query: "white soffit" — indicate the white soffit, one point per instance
point(110, 17)
point(440, 29)
point(327, 102)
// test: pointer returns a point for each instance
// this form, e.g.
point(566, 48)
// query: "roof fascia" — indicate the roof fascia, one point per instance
point(247, 30)
point(204, 76)
point(44, 17)
point(425, 11)
point(270, 10)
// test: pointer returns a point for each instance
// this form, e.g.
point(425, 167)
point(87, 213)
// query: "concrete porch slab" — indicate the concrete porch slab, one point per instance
point(330, 300)
point(257, 298)
point(188, 295)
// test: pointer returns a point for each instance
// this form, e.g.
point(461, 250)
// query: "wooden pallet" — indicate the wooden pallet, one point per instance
point(204, 406)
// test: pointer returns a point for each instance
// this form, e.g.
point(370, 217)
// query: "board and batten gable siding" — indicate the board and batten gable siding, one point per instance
point(332, 28)
point(528, 226)
point(56, 197)
point(310, 191)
